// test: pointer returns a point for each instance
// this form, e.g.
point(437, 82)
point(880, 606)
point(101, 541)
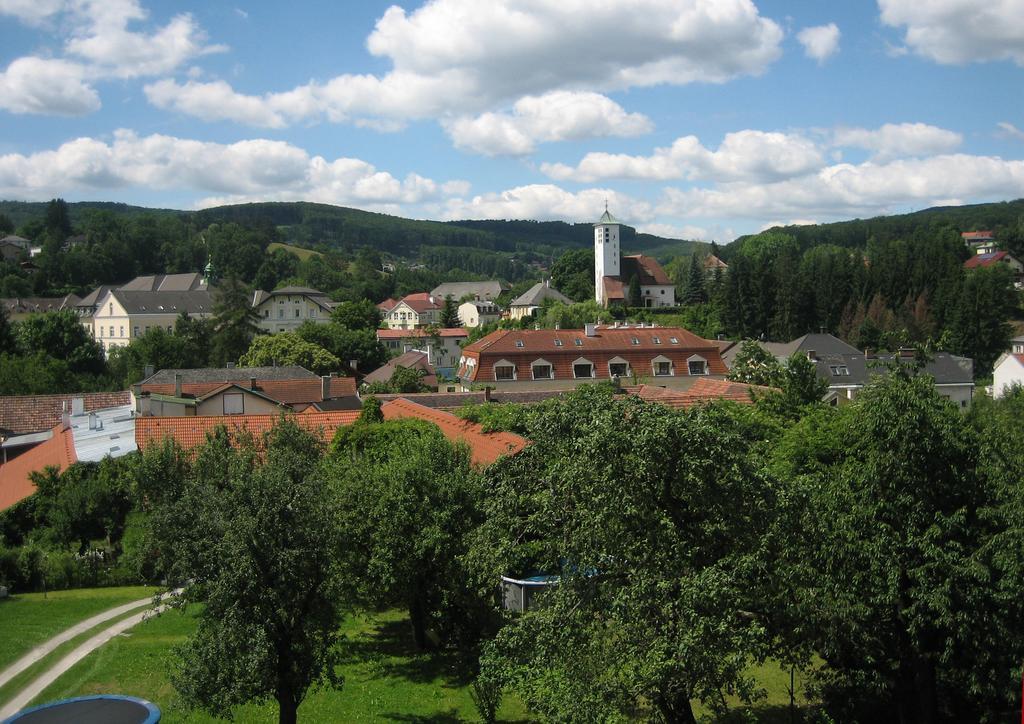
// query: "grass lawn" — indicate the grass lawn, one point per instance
point(298, 251)
point(386, 679)
point(29, 619)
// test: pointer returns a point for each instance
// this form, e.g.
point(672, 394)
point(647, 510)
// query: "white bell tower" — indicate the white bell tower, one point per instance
point(606, 251)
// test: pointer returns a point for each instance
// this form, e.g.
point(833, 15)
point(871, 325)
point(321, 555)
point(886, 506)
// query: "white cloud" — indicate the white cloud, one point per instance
point(39, 85)
point(820, 42)
point(102, 38)
point(899, 140)
point(249, 170)
point(1010, 131)
point(547, 202)
point(31, 12)
point(846, 190)
point(214, 101)
point(454, 58)
point(749, 155)
point(555, 116)
point(959, 31)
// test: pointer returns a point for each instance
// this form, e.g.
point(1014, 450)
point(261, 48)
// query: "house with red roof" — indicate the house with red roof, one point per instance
point(414, 310)
point(565, 358)
point(701, 391)
point(1009, 369)
point(614, 273)
point(997, 258)
point(443, 346)
point(979, 242)
point(57, 451)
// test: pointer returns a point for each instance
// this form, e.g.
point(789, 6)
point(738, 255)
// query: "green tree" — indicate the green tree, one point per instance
point(891, 561)
point(755, 365)
point(58, 222)
point(801, 384)
point(348, 345)
point(62, 336)
point(981, 328)
point(235, 322)
point(633, 292)
point(410, 500)
point(7, 341)
point(654, 542)
point(573, 274)
point(450, 313)
point(403, 380)
point(259, 538)
point(694, 291)
point(362, 314)
point(288, 348)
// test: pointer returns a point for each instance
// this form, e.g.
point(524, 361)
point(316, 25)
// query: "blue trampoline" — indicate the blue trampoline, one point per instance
point(99, 709)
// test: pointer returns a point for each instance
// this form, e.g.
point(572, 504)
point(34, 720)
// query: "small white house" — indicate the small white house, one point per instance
point(1009, 369)
point(478, 313)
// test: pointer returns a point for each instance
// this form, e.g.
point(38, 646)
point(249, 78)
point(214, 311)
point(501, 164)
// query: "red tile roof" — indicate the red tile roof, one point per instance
point(190, 432)
point(647, 269)
point(420, 302)
point(703, 390)
point(459, 332)
point(290, 392)
point(712, 262)
point(983, 260)
point(977, 235)
point(21, 414)
point(484, 447)
point(387, 305)
point(15, 483)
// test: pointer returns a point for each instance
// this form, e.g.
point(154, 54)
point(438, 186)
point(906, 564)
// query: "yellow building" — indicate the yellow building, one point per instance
point(283, 310)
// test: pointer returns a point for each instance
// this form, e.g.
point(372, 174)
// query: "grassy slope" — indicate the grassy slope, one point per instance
point(29, 619)
point(298, 251)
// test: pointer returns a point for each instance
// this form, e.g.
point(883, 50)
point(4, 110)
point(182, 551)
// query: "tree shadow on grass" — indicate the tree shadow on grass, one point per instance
point(441, 717)
point(764, 714)
point(390, 648)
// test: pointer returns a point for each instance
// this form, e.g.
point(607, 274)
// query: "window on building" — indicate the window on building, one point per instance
point(618, 369)
point(170, 328)
point(280, 313)
point(266, 313)
point(135, 331)
point(122, 332)
point(662, 369)
point(543, 372)
point(578, 342)
point(519, 343)
point(111, 309)
point(558, 343)
point(839, 370)
point(234, 404)
point(656, 340)
point(504, 372)
point(582, 370)
point(298, 312)
point(673, 340)
point(635, 340)
point(697, 367)
point(312, 311)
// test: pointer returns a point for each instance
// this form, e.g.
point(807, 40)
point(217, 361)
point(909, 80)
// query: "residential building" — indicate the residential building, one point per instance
point(414, 311)
point(703, 390)
point(1009, 369)
point(997, 258)
point(21, 308)
point(13, 248)
point(979, 242)
point(613, 273)
point(712, 265)
point(527, 304)
point(487, 290)
point(443, 346)
point(79, 436)
point(552, 359)
point(285, 309)
point(413, 360)
point(21, 414)
point(847, 370)
point(214, 391)
point(477, 313)
point(387, 305)
point(123, 315)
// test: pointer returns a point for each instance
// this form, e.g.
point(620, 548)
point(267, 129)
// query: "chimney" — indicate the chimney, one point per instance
point(177, 385)
point(252, 383)
point(812, 355)
point(147, 372)
point(906, 352)
point(591, 330)
point(93, 421)
point(353, 365)
point(325, 387)
point(557, 326)
point(77, 405)
point(868, 354)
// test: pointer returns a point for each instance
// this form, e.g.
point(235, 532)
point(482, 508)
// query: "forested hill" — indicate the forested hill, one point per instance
point(322, 225)
point(1004, 217)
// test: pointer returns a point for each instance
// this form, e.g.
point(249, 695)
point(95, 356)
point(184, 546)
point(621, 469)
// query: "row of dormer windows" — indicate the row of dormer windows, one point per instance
point(584, 369)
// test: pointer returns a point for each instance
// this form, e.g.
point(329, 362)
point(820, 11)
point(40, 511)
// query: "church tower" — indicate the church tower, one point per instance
point(606, 252)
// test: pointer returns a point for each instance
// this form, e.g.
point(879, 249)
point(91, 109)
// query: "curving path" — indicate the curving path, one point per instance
point(42, 681)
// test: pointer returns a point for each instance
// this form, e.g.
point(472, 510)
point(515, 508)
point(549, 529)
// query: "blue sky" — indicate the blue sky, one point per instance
point(694, 118)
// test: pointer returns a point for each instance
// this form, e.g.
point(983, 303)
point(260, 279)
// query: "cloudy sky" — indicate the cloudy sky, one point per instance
point(693, 118)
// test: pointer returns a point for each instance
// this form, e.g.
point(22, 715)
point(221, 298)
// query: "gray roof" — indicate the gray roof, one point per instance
point(93, 298)
point(536, 294)
point(16, 240)
point(820, 344)
point(166, 283)
point(457, 290)
point(39, 304)
point(315, 295)
point(412, 359)
point(198, 301)
point(947, 369)
point(607, 218)
point(230, 374)
point(113, 435)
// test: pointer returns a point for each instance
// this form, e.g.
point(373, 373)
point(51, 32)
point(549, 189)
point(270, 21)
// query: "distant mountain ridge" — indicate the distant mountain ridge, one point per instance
point(314, 225)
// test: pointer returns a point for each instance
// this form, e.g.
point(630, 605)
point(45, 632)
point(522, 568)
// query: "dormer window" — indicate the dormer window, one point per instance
point(558, 343)
point(635, 340)
point(578, 342)
point(656, 340)
point(673, 340)
point(697, 365)
point(520, 343)
point(839, 370)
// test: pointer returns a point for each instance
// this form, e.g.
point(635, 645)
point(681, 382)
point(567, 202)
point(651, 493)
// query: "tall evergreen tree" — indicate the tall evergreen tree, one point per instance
point(634, 291)
point(450, 313)
point(694, 291)
point(235, 322)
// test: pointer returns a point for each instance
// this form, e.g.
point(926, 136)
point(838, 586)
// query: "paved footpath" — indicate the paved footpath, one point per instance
point(40, 683)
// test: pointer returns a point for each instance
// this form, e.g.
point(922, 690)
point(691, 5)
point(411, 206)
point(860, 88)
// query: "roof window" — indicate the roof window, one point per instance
point(520, 343)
